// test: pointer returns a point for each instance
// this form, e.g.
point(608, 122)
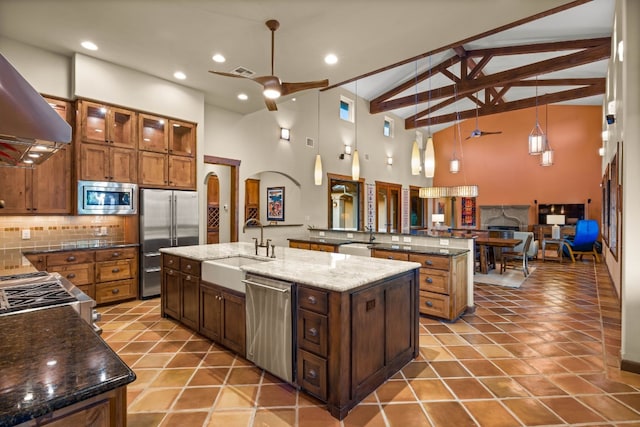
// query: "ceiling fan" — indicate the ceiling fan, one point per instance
point(273, 87)
point(477, 133)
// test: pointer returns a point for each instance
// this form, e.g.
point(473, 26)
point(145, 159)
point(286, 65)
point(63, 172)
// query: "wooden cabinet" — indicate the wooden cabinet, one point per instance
point(116, 274)
point(45, 189)
point(322, 247)
point(299, 245)
point(251, 199)
point(108, 125)
point(75, 266)
point(443, 281)
point(222, 317)
point(180, 289)
point(107, 143)
point(349, 343)
point(167, 161)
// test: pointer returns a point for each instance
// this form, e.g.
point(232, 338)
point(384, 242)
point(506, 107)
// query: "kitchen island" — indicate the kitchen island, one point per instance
point(355, 319)
point(55, 369)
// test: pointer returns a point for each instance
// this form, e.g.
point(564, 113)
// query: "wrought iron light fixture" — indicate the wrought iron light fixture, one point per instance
point(537, 138)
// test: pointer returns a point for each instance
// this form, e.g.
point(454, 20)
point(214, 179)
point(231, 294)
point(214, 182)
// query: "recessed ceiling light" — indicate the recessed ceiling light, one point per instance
point(330, 59)
point(242, 96)
point(219, 57)
point(89, 45)
point(179, 75)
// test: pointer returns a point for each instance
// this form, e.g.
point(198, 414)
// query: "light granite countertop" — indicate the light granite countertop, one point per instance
point(331, 271)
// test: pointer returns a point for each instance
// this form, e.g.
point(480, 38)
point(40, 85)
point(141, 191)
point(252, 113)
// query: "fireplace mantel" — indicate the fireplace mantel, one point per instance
point(504, 215)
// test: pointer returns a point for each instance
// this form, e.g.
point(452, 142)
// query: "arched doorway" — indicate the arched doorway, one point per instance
point(213, 209)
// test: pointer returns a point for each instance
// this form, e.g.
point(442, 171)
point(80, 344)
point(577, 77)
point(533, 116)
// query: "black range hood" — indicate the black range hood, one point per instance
point(30, 130)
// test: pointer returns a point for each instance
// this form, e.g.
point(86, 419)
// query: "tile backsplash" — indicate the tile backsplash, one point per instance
point(54, 232)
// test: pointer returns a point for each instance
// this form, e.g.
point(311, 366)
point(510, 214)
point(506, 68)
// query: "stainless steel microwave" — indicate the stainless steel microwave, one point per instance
point(107, 198)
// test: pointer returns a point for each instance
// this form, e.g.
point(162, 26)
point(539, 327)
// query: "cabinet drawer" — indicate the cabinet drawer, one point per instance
point(398, 256)
point(299, 245)
point(322, 248)
point(75, 257)
point(115, 291)
point(312, 374)
point(312, 332)
point(190, 266)
point(313, 299)
point(171, 261)
point(434, 304)
point(114, 270)
point(116, 254)
point(434, 280)
point(89, 290)
point(78, 274)
point(431, 261)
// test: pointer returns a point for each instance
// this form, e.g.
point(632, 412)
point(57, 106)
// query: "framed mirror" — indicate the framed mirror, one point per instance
point(346, 203)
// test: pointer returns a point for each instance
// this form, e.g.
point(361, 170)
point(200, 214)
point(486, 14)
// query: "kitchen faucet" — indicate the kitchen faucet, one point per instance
point(371, 236)
point(259, 224)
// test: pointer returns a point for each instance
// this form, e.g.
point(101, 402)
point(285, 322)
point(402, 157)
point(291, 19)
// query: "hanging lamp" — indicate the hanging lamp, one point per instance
point(546, 158)
point(537, 138)
point(415, 150)
point(454, 163)
point(317, 169)
point(429, 152)
point(355, 163)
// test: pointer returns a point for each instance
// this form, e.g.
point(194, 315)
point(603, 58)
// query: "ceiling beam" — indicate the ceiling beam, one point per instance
point(550, 98)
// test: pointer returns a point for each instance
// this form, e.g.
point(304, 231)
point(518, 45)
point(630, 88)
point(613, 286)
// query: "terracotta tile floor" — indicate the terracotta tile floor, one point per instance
point(544, 354)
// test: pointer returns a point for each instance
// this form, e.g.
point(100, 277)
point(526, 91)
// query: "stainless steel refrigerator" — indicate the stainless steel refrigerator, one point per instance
point(167, 218)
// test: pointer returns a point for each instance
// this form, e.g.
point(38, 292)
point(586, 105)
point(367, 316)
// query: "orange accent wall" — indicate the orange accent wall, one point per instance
point(508, 175)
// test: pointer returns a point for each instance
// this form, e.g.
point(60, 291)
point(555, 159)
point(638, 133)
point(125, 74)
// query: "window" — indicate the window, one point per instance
point(346, 109)
point(387, 129)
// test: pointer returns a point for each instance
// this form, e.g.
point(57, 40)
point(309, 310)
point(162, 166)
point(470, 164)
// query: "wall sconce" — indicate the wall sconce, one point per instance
point(605, 135)
point(347, 149)
point(389, 160)
point(285, 134)
point(601, 151)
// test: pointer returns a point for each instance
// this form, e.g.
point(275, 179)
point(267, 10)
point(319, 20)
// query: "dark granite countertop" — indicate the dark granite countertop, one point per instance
point(416, 249)
point(63, 248)
point(51, 359)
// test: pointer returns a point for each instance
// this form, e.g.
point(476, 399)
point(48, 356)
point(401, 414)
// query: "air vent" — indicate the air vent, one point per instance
point(242, 71)
point(310, 142)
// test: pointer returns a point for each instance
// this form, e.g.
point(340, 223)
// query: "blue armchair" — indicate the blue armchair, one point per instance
point(583, 243)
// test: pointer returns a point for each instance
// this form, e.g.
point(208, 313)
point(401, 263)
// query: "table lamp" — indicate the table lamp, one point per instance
point(437, 219)
point(556, 221)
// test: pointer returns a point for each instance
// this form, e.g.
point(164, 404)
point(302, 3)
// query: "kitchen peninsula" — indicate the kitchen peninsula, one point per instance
point(356, 317)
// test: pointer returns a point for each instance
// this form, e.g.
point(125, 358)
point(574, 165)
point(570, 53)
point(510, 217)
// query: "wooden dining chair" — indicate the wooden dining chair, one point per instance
point(517, 259)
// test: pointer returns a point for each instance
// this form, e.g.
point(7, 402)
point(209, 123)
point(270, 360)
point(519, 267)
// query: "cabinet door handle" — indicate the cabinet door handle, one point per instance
point(115, 254)
point(428, 262)
point(429, 280)
point(71, 258)
point(188, 267)
point(115, 291)
point(312, 300)
point(71, 275)
point(429, 304)
point(312, 374)
point(115, 270)
point(313, 332)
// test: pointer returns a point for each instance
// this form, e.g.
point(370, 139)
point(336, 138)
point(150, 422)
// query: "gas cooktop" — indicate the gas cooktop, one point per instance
point(24, 297)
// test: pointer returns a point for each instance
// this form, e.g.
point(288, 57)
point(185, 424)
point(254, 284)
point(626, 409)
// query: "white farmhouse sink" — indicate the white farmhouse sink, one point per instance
point(226, 272)
point(361, 249)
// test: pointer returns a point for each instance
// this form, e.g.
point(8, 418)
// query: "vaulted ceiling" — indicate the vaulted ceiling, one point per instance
point(428, 62)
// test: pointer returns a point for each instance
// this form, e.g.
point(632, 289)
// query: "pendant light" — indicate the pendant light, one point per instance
point(317, 169)
point(537, 138)
point(454, 163)
point(546, 158)
point(415, 150)
point(429, 153)
point(355, 164)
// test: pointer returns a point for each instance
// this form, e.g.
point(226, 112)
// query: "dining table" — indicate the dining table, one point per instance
point(492, 242)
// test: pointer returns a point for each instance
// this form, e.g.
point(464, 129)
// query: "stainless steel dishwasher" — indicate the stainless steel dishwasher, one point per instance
point(270, 328)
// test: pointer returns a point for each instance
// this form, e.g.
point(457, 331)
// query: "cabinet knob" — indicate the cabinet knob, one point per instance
point(429, 280)
point(115, 270)
point(312, 374)
point(428, 262)
point(170, 261)
point(313, 332)
point(115, 291)
point(312, 299)
point(188, 267)
point(71, 258)
point(115, 254)
point(429, 304)
point(71, 275)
